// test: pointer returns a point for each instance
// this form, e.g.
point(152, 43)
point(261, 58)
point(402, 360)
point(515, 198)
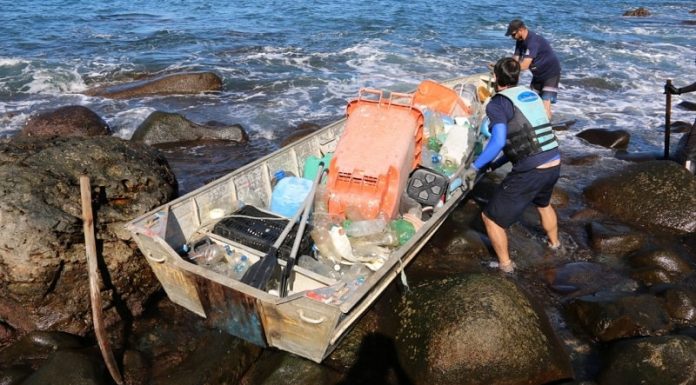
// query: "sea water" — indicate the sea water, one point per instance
point(286, 63)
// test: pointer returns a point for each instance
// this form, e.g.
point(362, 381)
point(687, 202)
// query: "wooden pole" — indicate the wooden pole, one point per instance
point(668, 116)
point(92, 269)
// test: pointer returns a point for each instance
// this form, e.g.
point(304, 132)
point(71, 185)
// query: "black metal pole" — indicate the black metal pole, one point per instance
point(668, 113)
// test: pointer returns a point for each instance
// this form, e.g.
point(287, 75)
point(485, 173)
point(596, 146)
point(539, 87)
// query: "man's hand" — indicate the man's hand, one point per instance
point(469, 177)
point(670, 89)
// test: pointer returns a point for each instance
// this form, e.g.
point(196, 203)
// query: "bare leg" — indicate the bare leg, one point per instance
point(549, 222)
point(498, 239)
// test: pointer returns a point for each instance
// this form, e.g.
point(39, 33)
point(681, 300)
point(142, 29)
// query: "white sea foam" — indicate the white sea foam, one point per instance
point(125, 122)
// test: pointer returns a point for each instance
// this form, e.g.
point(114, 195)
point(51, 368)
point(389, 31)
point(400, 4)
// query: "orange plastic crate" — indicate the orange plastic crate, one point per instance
point(380, 146)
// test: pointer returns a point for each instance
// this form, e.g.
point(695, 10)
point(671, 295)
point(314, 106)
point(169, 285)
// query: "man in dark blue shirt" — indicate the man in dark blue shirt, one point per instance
point(534, 53)
point(522, 131)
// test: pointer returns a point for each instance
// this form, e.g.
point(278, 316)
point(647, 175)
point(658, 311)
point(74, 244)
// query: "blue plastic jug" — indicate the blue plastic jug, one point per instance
point(289, 195)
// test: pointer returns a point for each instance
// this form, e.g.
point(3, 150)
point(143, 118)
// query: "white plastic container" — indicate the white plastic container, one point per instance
point(457, 142)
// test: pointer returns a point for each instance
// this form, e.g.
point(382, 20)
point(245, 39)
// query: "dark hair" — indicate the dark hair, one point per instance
point(507, 72)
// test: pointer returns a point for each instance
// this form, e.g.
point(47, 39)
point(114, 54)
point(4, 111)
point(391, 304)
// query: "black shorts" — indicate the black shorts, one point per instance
point(548, 89)
point(518, 190)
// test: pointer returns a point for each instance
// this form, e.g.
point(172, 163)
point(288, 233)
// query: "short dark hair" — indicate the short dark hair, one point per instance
point(507, 72)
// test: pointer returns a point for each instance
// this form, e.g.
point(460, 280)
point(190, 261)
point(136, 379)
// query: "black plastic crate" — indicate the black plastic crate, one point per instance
point(252, 227)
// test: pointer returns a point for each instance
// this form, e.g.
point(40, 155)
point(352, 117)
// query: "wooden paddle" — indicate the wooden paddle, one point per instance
point(92, 269)
point(260, 272)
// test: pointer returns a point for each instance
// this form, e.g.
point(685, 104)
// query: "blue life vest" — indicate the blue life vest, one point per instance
point(529, 132)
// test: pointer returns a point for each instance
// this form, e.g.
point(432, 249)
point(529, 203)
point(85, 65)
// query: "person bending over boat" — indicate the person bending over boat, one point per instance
point(534, 53)
point(687, 153)
point(520, 129)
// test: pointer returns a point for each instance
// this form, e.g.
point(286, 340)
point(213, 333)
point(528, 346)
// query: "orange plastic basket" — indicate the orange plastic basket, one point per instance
point(440, 98)
point(380, 146)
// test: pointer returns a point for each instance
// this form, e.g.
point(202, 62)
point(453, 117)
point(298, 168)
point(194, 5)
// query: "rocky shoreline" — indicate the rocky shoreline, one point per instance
point(617, 304)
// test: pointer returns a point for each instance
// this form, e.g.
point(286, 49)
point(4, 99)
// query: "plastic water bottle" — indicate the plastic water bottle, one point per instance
point(240, 266)
point(365, 227)
point(208, 253)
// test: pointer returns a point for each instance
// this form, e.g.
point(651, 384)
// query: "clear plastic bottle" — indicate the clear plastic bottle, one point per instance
point(208, 253)
point(321, 266)
point(386, 237)
point(239, 266)
point(365, 227)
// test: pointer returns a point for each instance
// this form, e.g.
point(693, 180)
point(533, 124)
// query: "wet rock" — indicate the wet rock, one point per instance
point(492, 335)
point(351, 346)
point(182, 83)
point(617, 139)
point(681, 305)
point(687, 105)
point(162, 127)
point(584, 160)
point(680, 127)
point(609, 316)
point(15, 374)
point(668, 360)
point(659, 266)
point(685, 148)
point(136, 368)
point(640, 12)
point(217, 358)
point(643, 156)
point(583, 278)
point(300, 132)
point(656, 193)
point(66, 367)
point(66, 121)
point(613, 238)
point(43, 267)
point(280, 368)
point(37, 346)
point(7, 334)
point(212, 357)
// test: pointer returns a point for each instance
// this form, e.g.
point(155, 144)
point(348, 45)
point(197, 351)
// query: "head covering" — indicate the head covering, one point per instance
point(514, 26)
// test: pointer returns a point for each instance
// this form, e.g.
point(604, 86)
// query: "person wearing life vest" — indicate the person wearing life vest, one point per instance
point(520, 129)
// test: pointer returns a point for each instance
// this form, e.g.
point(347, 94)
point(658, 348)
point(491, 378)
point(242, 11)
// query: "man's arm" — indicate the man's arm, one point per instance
point(690, 88)
point(525, 64)
point(493, 147)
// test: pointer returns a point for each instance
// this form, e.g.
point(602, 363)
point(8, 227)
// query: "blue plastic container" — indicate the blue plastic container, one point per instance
point(289, 195)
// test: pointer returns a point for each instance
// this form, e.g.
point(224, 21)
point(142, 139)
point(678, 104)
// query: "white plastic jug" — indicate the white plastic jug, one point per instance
point(457, 142)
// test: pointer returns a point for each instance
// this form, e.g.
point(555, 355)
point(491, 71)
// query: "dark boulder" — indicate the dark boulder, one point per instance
point(655, 193)
point(616, 139)
point(300, 132)
point(66, 367)
point(608, 316)
point(687, 105)
point(613, 238)
point(583, 278)
point(163, 127)
point(640, 12)
point(658, 266)
point(681, 305)
point(43, 272)
point(182, 83)
point(66, 121)
point(668, 360)
point(476, 329)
